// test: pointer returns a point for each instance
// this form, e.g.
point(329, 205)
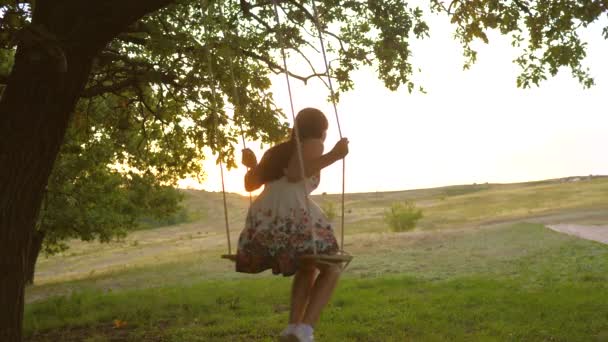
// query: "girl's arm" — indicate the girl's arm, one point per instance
point(252, 181)
point(314, 159)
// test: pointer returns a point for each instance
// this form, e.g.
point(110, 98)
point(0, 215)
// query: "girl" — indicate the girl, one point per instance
point(279, 222)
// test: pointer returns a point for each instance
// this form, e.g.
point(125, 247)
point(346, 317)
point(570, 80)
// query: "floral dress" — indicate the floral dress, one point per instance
point(278, 228)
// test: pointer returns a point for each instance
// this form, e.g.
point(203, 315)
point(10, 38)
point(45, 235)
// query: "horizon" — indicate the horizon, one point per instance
point(581, 178)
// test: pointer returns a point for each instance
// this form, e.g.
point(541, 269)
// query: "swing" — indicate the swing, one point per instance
point(342, 258)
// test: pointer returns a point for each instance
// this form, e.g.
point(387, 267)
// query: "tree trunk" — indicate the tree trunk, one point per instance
point(34, 113)
point(32, 257)
point(52, 64)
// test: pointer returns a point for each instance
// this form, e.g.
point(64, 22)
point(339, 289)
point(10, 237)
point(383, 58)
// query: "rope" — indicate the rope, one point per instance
point(214, 110)
point(225, 207)
point(237, 104)
point(295, 127)
point(333, 100)
point(331, 88)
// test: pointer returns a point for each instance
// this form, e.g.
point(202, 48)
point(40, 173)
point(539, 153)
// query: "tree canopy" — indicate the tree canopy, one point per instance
point(547, 33)
point(87, 198)
point(152, 87)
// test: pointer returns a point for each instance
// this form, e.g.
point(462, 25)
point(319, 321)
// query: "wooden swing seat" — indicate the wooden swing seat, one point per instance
point(340, 258)
point(231, 257)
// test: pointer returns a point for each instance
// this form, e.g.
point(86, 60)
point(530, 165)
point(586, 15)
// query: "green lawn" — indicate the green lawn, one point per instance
point(515, 282)
point(480, 266)
point(392, 308)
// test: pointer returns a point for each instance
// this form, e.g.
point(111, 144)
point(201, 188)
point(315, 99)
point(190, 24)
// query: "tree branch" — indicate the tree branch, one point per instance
point(114, 87)
point(133, 72)
point(102, 22)
point(261, 22)
point(449, 9)
point(278, 69)
point(113, 56)
point(131, 39)
point(312, 18)
point(312, 67)
point(523, 7)
point(340, 41)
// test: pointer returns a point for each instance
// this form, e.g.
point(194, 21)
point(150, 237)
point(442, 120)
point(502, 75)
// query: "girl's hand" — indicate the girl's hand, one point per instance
point(341, 149)
point(249, 159)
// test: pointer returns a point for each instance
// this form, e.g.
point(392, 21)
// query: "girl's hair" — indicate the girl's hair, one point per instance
point(310, 123)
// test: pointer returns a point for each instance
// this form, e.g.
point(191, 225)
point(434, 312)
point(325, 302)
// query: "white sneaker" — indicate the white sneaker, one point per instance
point(302, 333)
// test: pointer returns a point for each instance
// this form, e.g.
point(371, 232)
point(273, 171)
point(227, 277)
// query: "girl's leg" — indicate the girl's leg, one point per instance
point(303, 282)
point(321, 292)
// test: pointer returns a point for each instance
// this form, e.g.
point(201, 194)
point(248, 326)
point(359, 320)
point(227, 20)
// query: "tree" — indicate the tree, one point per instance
point(88, 198)
point(52, 64)
point(143, 56)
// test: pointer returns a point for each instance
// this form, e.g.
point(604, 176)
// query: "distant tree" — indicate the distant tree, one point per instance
point(150, 59)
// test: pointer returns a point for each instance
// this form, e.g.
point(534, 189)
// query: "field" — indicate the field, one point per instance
point(480, 266)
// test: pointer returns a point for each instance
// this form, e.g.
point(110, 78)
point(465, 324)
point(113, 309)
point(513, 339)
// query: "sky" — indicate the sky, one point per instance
point(472, 126)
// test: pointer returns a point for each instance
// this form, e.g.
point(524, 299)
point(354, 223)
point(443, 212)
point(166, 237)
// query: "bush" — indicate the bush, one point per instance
point(329, 209)
point(402, 216)
point(180, 216)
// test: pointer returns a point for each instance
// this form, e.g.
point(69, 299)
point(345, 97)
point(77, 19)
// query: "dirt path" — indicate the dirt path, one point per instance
point(596, 233)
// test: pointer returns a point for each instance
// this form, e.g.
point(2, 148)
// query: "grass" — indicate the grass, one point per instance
point(510, 202)
point(187, 250)
point(467, 205)
point(427, 255)
point(393, 308)
point(511, 282)
point(481, 266)
point(500, 251)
